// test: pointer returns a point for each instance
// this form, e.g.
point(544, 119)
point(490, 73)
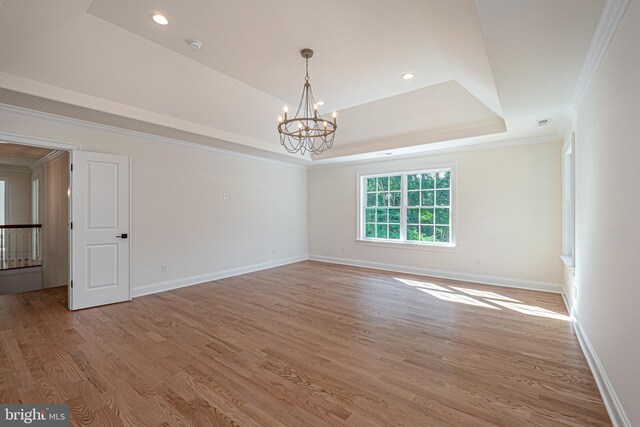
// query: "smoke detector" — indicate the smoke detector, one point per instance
point(195, 44)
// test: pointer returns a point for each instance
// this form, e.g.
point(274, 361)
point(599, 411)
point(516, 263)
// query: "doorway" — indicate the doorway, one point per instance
point(77, 233)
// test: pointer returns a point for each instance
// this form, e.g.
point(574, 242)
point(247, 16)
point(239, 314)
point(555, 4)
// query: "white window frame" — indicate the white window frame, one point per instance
point(402, 242)
point(568, 203)
point(7, 198)
point(35, 200)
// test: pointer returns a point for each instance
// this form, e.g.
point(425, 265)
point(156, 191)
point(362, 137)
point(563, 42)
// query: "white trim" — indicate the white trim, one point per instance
point(409, 244)
point(609, 397)
point(131, 231)
point(335, 162)
point(16, 138)
point(567, 304)
point(25, 112)
point(70, 232)
point(48, 158)
point(568, 203)
point(466, 277)
point(608, 394)
point(195, 280)
point(568, 261)
point(7, 199)
point(609, 20)
point(404, 205)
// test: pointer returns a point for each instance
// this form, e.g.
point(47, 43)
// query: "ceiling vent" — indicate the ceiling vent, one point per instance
point(543, 122)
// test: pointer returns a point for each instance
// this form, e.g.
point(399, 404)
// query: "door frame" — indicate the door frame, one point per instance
point(13, 138)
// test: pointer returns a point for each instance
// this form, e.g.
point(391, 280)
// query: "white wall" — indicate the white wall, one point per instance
point(54, 217)
point(19, 194)
point(508, 215)
point(607, 206)
point(179, 216)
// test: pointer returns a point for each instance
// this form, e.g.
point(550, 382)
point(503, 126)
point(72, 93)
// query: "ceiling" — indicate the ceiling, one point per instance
point(485, 70)
point(21, 155)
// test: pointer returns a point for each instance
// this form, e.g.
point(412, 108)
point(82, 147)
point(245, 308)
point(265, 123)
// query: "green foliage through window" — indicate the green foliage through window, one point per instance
point(421, 212)
point(382, 210)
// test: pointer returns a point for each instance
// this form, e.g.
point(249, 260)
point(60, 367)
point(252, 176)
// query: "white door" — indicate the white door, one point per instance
point(100, 229)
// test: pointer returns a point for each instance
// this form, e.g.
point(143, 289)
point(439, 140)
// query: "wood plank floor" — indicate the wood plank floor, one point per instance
point(309, 344)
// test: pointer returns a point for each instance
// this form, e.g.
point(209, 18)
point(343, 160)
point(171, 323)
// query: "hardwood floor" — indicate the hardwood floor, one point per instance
point(309, 344)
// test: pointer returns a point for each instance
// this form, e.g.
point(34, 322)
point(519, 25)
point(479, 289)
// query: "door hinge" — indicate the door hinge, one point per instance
point(72, 225)
point(71, 167)
point(72, 284)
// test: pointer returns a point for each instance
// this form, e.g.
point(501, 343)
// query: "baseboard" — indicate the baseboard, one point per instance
point(567, 305)
point(609, 397)
point(194, 280)
point(466, 277)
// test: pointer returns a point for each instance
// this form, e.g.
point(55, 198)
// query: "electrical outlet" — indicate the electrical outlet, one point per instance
point(342, 249)
point(477, 261)
point(227, 196)
point(273, 251)
point(164, 268)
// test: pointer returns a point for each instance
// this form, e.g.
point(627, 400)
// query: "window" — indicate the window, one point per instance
point(4, 199)
point(411, 207)
point(568, 204)
point(35, 196)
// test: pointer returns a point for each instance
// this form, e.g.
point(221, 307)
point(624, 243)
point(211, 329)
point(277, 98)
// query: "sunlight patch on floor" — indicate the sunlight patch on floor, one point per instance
point(423, 285)
point(463, 299)
point(485, 299)
point(484, 294)
point(532, 310)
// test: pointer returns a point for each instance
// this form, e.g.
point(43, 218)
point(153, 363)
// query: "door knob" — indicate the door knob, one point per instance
point(122, 236)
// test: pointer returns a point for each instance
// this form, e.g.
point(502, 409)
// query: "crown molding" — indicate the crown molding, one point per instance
point(36, 141)
point(442, 150)
point(612, 14)
point(48, 158)
point(40, 115)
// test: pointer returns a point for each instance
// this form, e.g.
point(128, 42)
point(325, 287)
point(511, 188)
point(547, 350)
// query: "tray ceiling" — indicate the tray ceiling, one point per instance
point(481, 67)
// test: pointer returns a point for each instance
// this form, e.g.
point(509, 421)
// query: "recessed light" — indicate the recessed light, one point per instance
point(407, 76)
point(159, 19)
point(320, 102)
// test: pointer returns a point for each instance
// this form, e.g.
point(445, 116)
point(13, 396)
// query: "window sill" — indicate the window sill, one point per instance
point(442, 247)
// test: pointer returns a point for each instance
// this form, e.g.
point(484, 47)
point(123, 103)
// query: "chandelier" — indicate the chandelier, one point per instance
point(307, 130)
